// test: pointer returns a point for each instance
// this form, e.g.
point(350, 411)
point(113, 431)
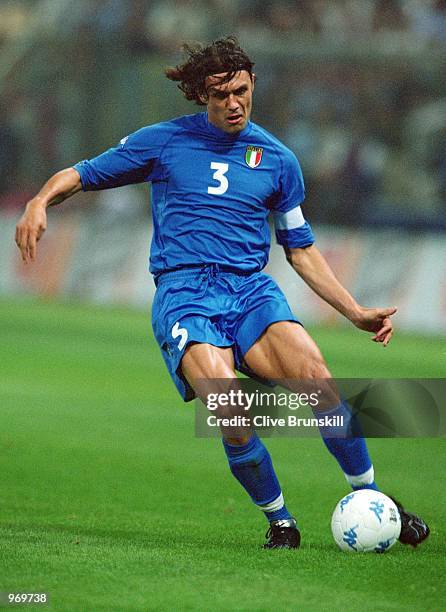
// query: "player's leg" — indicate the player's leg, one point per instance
point(286, 351)
point(248, 458)
point(193, 346)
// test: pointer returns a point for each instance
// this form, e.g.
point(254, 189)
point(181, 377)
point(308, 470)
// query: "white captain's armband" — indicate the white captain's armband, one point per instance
point(292, 230)
point(292, 219)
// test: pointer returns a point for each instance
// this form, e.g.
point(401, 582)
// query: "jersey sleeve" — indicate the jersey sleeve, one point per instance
point(134, 160)
point(292, 230)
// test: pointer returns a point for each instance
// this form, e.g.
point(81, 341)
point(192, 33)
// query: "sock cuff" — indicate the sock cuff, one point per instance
point(274, 505)
point(365, 478)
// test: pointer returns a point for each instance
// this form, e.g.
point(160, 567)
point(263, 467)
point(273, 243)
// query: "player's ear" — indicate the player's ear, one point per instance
point(203, 95)
point(253, 80)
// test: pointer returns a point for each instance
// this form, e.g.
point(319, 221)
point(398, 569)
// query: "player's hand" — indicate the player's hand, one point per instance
point(376, 320)
point(30, 228)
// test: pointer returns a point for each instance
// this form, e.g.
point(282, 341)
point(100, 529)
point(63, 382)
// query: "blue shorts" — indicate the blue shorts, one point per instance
point(207, 305)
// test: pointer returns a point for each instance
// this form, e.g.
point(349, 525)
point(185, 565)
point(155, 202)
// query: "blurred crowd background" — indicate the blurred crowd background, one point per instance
point(355, 87)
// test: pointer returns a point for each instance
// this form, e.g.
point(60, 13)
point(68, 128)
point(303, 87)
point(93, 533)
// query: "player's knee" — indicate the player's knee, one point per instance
point(315, 368)
point(311, 369)
point(319, 379)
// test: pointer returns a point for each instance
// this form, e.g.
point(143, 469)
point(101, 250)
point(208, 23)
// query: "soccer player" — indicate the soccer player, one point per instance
point(216, 177)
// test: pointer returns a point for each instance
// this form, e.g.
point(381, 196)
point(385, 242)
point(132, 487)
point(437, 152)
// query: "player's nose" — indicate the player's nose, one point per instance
point(232, 102)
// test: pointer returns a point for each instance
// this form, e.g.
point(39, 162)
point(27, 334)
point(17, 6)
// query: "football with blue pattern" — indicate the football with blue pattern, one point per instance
point(365, 521)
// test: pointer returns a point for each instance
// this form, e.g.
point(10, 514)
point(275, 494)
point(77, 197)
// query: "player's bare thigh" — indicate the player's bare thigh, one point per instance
point(286, 351)
point(202, 362)
point(208, 369)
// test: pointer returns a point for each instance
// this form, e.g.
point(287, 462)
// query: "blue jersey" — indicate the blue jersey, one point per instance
point(212, 192)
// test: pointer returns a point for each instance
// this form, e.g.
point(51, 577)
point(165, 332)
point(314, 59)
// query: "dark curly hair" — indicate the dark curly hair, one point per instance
point(222, 55)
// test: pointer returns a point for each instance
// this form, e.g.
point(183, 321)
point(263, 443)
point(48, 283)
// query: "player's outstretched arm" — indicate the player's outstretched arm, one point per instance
point(32, 224)
point(313, 268)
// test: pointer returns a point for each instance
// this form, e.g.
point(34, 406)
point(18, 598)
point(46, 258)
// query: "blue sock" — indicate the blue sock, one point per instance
point(350, 452)
point(252, 466)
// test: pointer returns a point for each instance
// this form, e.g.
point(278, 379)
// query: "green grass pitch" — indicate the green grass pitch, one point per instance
point(109, 502)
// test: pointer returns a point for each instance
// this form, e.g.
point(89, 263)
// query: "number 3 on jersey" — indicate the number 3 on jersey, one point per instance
point(219, 175)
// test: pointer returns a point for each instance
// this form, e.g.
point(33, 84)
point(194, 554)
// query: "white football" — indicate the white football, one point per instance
point(365, 521)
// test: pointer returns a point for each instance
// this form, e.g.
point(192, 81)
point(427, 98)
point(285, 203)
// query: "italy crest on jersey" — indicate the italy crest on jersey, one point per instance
point(253, 156)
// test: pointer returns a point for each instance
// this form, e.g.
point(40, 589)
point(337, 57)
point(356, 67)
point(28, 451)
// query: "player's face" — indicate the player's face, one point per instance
point(229, 104)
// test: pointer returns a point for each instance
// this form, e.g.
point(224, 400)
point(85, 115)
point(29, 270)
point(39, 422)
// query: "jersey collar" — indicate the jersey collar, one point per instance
point(221, 134)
